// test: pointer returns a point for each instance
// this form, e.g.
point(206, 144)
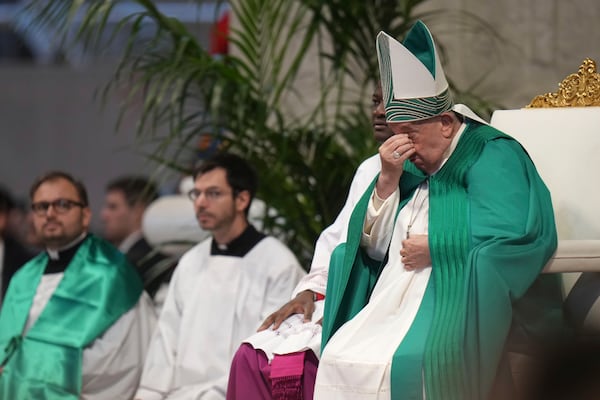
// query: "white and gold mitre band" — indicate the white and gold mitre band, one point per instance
point(412, 79)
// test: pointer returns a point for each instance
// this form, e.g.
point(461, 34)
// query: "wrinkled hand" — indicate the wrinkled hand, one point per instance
point(393, 152)
point(301, 304)
point(415, 252)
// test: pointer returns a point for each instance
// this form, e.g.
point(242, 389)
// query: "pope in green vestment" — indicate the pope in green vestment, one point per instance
point(490, 232)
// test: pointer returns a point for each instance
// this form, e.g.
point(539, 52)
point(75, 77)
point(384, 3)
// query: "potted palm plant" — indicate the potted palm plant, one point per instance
point(305, 145)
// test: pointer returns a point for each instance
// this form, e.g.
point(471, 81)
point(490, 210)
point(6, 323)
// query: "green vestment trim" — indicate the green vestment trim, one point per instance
point(97, 288)
point(449, 243)
point(479, 267)
point(352, 273)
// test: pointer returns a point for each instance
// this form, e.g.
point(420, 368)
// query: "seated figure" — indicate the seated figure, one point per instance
point(280, 361)
point(221, 289)
point(75, 321)
point(125, 202)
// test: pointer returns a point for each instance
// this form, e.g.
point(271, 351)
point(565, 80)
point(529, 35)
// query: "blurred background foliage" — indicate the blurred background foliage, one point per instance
point(291, 96)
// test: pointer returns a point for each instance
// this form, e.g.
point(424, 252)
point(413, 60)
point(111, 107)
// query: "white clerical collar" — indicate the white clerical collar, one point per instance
point(54, 254)
point(130, 240)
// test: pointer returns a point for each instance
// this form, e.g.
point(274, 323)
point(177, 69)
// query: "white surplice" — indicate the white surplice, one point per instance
point(334, 234)
point(112, 364)
point(213, 303)
point(356, 363)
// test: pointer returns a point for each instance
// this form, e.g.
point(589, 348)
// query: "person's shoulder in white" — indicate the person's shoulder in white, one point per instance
point(274, 263)
point(334, 234)
point(280, 256)
point(113, 362)
point(371, 165)
point(190, 257)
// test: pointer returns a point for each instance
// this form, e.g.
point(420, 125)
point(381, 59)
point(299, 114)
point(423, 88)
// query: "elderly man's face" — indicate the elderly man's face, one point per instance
point(431, 140)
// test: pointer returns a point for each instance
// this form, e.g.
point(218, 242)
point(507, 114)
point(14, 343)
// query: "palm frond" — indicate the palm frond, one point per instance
point(305, 159)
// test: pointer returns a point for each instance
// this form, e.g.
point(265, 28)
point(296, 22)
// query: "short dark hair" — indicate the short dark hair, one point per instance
point(136, 189)
point(55, 175)
point(240, 174)
point(7, 202)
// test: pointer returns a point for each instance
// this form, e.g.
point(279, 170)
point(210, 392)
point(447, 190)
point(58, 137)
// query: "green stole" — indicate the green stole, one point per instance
point(457, 337)
point(97, 288)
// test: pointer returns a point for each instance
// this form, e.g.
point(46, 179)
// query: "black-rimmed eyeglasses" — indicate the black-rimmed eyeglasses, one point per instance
point(60, 206)
point(209, 194)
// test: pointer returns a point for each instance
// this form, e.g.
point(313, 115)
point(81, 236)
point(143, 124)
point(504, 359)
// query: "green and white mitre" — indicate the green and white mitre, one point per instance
point(413, 81)
point(412, 78)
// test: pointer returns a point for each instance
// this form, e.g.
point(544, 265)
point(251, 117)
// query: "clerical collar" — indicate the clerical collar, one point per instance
point(239, 246)
point(59, 259)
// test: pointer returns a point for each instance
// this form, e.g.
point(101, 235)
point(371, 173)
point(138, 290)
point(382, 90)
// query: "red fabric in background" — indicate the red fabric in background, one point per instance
point(218, 37)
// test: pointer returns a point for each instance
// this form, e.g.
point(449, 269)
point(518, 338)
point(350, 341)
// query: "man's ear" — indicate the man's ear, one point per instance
point(86, 216)
point(242, 200)
point(447, 120)
point(137, 211)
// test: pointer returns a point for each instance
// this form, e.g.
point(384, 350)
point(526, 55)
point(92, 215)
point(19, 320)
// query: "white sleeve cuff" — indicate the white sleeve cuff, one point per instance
point(377, 207)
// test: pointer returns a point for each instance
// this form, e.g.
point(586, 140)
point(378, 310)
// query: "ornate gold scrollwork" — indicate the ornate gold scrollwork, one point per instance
point(576, 90)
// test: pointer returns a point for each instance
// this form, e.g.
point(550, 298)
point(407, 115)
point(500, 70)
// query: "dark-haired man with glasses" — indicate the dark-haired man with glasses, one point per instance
point(74, 323)
point(221, 289)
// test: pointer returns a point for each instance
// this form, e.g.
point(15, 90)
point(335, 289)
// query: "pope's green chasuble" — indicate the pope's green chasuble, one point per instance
point(485, 253)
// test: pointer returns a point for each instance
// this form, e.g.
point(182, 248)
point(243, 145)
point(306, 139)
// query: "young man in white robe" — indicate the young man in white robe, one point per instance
point(221, 289)
point(75, 322)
